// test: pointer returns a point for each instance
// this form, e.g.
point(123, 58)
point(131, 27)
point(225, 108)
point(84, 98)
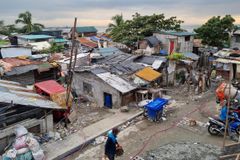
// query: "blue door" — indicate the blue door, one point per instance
point(108, 100)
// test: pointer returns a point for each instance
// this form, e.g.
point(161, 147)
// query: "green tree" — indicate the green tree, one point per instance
point(8, 29)
point(26, 20)
point(117, 22)
point(130, 31)
point(55, 48)
point(216, 31)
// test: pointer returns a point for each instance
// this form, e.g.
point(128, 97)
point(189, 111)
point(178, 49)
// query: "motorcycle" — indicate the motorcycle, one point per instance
point(217, 127)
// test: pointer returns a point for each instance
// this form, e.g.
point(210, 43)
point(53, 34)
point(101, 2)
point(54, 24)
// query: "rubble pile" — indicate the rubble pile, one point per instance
point(184, 151)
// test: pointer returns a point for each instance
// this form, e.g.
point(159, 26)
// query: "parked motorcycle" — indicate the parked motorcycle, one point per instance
point(217, 127)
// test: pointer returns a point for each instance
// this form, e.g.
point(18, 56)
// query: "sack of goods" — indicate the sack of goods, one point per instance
point(24, 147)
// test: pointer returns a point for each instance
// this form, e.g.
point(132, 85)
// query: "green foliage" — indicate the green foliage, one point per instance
point(3, 42)
point(175, 56)
point(7, 30)
point(26, 20)
point(216, 31)
point(55, 48)
point(130, 31)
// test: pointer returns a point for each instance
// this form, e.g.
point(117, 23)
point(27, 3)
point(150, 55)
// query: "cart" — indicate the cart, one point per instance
point(154, 109)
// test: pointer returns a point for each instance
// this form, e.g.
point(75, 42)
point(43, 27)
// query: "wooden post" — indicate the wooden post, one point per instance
point(228, 105)
point(70, 65)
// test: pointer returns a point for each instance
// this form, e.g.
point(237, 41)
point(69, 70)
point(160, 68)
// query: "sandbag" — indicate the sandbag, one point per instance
point(20, 142)
point(39, 155)
point(22, 151)
point(33, 144)
point(233, 91)
point(20, 131)
point(12, 153)
point(25, 156)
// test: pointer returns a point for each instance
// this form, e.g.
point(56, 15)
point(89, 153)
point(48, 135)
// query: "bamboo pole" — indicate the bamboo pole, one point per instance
point(228, 106)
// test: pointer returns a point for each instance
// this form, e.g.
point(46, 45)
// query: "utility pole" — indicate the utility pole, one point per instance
point(228, 106)
point(70, 68)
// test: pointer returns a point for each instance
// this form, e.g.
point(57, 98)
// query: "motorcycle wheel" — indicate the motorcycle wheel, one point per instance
point(238, 130)
point(212, 129)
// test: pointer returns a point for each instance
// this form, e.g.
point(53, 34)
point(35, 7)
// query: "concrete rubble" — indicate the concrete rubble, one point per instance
point(184, 151)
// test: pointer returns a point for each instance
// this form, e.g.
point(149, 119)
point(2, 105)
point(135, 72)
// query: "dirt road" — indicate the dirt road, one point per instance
point(146, 135)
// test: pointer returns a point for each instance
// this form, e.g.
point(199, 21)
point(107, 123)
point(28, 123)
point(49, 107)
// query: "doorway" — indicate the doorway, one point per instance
point(107, 100)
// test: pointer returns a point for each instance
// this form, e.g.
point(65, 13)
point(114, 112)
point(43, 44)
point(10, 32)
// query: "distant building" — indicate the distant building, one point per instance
point(14, 51)
point(22, 106)
point(175, 41)
point(235, 39)
point(25, 39)
point(86, 31)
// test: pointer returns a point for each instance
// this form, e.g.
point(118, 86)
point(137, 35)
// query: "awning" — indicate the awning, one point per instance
point(50, 87)
point(222, 60)
point(148, 74)
point(192, 56)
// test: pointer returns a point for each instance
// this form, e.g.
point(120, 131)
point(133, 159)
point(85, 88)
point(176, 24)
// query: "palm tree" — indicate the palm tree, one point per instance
point(26, 20)
point(118, 21)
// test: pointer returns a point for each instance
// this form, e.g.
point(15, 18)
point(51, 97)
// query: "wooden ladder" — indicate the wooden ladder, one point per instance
point(231, 151)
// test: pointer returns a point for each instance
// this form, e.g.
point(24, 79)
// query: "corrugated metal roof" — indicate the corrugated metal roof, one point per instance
point(157, 64)
point(148, 74)
point(191, 56)
point(108, 51)
point(34, 37)
point(86, 29)
point(88, 43)
point(152, 41)
point(116, 82)
point(16, 93)
point(21, 69)
point(60, 40)
point(222, 60)
point(174, 33)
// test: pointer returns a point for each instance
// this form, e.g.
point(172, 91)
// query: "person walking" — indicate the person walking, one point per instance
point(111, 144)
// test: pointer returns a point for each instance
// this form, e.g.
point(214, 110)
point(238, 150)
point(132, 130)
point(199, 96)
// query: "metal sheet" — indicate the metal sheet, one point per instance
point(13, 91)
point(116, 82)
point(15, 52)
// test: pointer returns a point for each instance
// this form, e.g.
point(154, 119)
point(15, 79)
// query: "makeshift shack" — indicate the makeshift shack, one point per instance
point(86, 31)
point(150, 45)
point(172, 41)
point(103, 87)
point(22, 106)
point(54, 91)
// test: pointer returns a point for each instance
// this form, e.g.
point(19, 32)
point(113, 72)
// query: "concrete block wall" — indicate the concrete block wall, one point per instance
point(98, 89)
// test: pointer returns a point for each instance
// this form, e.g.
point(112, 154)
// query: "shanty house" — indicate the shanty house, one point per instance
point(103, 87)
point(86, 31)
point(235, 39)
point(26, 71)
point(22, 106)
point(150, 45)
point(175, 41)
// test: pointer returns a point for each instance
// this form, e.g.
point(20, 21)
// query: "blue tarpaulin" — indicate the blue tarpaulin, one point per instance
point(95, 39)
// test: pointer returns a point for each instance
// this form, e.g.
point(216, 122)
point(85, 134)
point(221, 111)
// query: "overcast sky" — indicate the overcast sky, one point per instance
point(99, 12)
